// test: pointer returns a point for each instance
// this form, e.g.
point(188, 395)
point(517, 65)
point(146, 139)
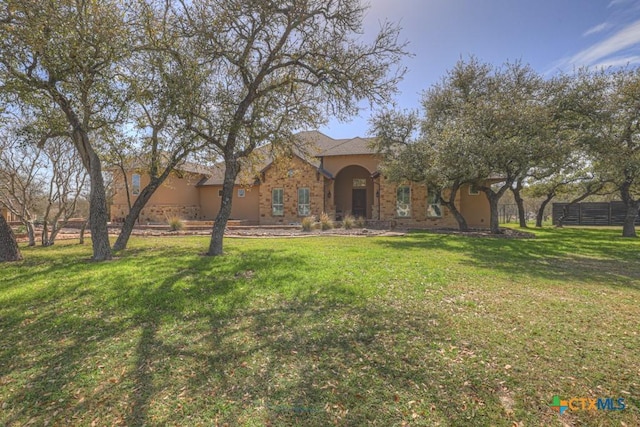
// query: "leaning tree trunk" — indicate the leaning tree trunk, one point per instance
point(543, 206)
point(98, 212)
point(565, 211)
point(9, 250)
point(231, 172)
point(522, 216)
point(462, 222)
point(451, 205)
point(629, 225)
point(144, 197)
point(133, 215)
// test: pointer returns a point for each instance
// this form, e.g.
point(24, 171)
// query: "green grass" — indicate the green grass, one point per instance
point(419, 330)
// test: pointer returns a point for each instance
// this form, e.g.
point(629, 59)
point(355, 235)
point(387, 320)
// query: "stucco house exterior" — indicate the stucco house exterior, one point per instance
point(8, 216)
point(336, 176)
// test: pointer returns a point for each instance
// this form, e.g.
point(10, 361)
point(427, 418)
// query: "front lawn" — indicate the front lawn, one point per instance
point(426, 329)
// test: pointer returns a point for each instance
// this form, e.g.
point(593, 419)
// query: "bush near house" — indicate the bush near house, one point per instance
point(326, 223)
point(175, 223)
point(348, 222)
point(307, 223)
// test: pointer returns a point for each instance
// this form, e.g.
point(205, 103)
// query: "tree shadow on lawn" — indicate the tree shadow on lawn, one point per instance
point(79, 335)
point(589, 256)
point(205, 345)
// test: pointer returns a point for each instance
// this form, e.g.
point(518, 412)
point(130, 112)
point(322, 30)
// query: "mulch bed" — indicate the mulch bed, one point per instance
point(259, 232)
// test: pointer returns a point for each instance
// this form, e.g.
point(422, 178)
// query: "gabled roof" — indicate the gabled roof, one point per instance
point(348, 147)
point(142, 164)
point(192, 167)
point(309, 146)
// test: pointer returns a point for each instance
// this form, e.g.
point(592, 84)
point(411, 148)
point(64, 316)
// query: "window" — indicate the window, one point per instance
point(135, 184)
point(403, 203)
point(359, 182)
point(304, 205)
point(241, 192)
point(434, 209)
point(277, 202)
point(473, 190)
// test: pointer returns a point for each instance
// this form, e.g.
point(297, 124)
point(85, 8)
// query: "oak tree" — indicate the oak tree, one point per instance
point(279, 66)
point(66, 55)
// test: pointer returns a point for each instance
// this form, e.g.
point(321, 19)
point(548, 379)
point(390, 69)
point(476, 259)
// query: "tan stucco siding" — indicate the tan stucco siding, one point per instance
point(290, 175)
point(474, 208)
point(8, 216)
point(242, 208)
point(334, 164)
point(177, 196)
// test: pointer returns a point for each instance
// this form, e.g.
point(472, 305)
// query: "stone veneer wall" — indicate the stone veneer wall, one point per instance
point(157, 213)
point(418, 217)
point(290, 174)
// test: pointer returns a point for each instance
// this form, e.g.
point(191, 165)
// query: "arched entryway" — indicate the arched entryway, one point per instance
point(353, 192)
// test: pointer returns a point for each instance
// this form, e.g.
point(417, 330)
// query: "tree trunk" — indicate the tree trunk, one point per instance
point(522, 215)
point(220, 224)
point(48, 239)
point(129, 222)
point(543, 206)
point(31, 233)
point(98, 213)
point(462, 223)
point(494, 220)
point(451, 205)
point(44, 238)
point(589, 192)
point(629, 226)
point(83, 228)
point(135, 210)
point(9, 250)
point(494, 197)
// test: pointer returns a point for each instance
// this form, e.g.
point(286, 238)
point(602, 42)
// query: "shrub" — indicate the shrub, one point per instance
point(360, 222)
point(307, 223)
point(325, 222)
point(348, 222)
point(175, 223)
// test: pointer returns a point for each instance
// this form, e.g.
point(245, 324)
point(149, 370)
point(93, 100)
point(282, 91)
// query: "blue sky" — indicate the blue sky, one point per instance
point(550, 35)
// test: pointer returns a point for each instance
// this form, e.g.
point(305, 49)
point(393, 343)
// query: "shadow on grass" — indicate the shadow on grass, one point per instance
point(246, 339)
point(85, 309)
point(233, 339)
point(589, 256)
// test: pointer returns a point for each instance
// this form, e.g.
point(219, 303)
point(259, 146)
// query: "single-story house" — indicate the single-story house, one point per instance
point(337, 176)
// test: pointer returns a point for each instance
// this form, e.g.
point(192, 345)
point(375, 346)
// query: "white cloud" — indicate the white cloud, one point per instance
point(619, 62)
point(616, 3)
point(597, 29)
point(623, 39)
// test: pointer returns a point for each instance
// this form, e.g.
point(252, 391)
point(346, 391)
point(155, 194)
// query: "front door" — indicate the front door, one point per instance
point(359, 202)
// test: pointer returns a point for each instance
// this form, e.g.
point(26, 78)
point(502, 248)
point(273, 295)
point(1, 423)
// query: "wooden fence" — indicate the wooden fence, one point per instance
point(593, 213)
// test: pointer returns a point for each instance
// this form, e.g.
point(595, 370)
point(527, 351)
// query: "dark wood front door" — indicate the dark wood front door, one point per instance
point(359, 202)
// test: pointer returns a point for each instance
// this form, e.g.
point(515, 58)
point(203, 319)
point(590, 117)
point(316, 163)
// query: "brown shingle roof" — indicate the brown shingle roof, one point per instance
point(309, 146)
point(348, 147)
